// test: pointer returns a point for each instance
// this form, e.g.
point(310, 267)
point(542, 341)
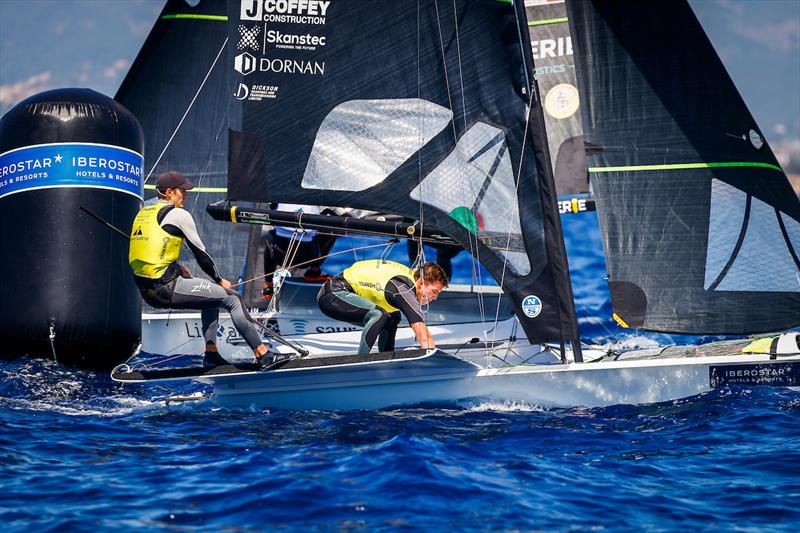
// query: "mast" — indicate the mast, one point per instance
point(553, 231)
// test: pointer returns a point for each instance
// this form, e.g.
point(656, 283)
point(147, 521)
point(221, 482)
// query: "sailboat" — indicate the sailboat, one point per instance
point(182, 106)
point(433, 112)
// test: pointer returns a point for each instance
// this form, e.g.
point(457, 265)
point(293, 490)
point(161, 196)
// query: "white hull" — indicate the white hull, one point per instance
point(439, 377)
point(574, 384)
point(514, 372)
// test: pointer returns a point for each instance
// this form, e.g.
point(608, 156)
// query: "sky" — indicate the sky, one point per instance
point(46, 44)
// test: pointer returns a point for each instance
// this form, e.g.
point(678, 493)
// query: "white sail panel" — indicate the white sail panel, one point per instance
point(361, 142)
point(762, 263)
point(475, 185)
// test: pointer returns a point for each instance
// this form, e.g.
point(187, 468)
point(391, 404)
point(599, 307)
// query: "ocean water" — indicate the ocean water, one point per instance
point(79, 452)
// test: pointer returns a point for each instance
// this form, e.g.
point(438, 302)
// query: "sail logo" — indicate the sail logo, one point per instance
point(531, 306)
point(552, 48)
point(244, 64)
point(256, 92)
point(562, 101)
point(285, 11)
point(290, 41)
point(242, 92)
point(248, 37)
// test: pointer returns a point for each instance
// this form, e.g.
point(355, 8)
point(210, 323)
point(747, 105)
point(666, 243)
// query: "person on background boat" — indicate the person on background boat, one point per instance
point(158, 232)
point(311, 249)
point(372, 294)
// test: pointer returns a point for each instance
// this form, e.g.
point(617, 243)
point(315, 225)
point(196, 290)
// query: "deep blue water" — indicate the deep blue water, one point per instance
point(79, 452)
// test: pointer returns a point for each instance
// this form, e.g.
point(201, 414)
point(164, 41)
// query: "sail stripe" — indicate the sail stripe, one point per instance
point(685, 166)
point(533, 23)
point(196, 189)
point(220, 18)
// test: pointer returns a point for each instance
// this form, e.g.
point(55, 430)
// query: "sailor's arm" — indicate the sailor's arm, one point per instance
point(400, 293)
point(423, 335)
point(179, 222)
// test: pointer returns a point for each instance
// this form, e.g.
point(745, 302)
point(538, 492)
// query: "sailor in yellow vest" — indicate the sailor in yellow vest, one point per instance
point(156, 237)
point(372, 294)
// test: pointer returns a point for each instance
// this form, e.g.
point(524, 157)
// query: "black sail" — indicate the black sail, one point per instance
point(551, 46)
point(178, 88)
point(415, 108)
point(700, 224)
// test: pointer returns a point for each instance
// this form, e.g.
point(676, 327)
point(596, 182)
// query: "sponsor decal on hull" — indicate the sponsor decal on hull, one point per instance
point(783, 374)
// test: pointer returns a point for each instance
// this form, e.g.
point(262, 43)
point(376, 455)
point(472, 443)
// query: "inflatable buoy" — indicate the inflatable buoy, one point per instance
point(70, 169)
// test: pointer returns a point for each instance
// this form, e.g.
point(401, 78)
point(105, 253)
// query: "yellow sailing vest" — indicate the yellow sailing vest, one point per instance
point(152, 249)
point(369, 279)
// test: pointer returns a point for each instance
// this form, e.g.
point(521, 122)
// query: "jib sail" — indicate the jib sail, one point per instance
point(701, 226)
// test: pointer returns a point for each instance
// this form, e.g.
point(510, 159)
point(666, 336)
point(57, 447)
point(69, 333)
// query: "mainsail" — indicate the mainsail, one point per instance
point(178, 87)
point(700, 224)
point(424, 109)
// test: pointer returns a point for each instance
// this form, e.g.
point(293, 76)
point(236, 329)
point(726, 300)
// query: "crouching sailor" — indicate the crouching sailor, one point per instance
point(372, 294)
point(156, 238)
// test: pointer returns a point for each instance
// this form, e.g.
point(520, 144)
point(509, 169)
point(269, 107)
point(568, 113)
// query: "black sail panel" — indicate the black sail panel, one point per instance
point(700, 224)
point(415, 108)
point(551, 46)
point(178, 88)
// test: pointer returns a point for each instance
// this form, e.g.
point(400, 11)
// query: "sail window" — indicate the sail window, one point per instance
point(361, 142)
point(475, 186)
point(746, 249)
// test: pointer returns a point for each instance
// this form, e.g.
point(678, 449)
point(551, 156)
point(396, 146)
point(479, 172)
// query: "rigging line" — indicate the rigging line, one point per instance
point(285, 266)
point(444, 65)
point(460, 70)
point(419, 260)
point(208, 168)
point(474, 250)
point(312, 260)
point(191, 104)
point(521, 155)
point(516, 195)
point(522, 50)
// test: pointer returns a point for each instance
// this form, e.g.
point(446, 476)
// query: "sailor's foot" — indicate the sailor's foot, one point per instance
point(212, 359)
point(315, 275)
point(272, 360)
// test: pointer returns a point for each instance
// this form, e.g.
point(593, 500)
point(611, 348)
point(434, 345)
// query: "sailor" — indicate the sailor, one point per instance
point(373, 293)
point(158, 232)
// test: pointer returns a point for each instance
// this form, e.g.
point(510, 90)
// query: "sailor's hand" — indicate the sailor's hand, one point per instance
point(225, 283)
